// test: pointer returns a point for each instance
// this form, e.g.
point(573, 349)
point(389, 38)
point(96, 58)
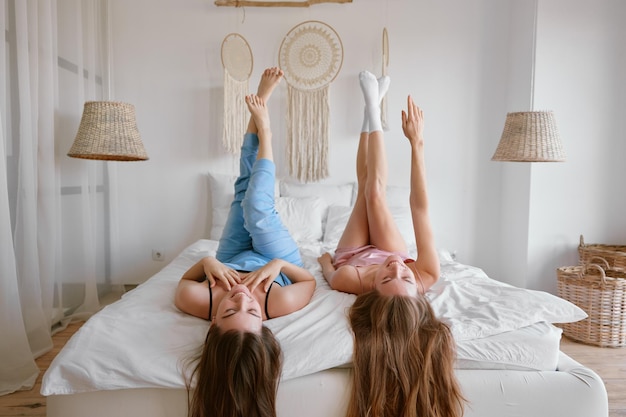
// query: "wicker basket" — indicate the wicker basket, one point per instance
point(601, 292)
point(615, 255)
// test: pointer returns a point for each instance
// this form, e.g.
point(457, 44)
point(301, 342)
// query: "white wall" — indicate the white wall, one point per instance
point(455, 59)
point(508, 263)
point(581, 74)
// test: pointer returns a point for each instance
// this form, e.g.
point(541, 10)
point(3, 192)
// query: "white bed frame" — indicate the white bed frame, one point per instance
point(573, 390)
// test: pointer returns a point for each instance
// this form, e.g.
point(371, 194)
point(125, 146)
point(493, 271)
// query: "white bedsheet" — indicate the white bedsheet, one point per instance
point(142, 340)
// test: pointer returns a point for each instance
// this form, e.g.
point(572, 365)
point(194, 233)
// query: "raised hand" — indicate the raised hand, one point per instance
point(413, 123)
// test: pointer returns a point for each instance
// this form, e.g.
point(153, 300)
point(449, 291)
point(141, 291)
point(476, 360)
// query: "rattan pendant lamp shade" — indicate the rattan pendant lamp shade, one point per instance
point(108, 131)
point(530, 136)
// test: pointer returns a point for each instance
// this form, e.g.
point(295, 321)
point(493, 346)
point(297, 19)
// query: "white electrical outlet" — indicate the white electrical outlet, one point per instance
point(158, 255)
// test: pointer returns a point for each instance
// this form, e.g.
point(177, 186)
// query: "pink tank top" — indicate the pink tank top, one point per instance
point(364, 256)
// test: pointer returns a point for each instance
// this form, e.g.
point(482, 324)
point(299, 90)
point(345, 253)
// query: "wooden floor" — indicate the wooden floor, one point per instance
point(609, 363)
point(31, 403)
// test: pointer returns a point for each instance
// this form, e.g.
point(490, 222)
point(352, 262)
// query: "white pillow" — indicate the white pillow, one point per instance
point(445, 256)
point(303, 217)
point(398, 196)
point(475, 305)
point(339, 194)
point(221, 193)
point(338, 218)
point(336, 221)
point(402, 216)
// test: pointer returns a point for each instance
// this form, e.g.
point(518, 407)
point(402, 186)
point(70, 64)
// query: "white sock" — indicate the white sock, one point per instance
point(383, 87)
point(374, 91)
point(374, 118)
point(369, 87)
point(366, 125)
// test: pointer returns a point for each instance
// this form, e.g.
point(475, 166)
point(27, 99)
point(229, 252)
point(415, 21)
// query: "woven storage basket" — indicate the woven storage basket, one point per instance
point(615, 255)
point(601, 292)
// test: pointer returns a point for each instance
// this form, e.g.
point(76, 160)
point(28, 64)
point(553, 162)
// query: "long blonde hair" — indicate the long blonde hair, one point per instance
point(237, 375)
point(403, 360)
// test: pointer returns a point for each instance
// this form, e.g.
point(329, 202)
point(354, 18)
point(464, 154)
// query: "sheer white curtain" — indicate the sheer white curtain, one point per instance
point(51, 60)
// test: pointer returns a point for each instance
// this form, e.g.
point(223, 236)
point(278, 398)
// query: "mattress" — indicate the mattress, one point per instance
point(135, 352)
point(572, 390)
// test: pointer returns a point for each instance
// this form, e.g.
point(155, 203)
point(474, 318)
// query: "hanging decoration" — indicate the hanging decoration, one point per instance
point(383, 104)
point(237, 62)
point(275, 3)
point(311, 56)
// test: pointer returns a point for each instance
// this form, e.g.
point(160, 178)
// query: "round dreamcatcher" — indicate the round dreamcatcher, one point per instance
point(237, 57)
point(237, 62)
point(311, 56)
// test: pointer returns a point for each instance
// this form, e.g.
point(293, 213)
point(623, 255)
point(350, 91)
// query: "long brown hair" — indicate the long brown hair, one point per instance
point(403, 360)
point(237, 375)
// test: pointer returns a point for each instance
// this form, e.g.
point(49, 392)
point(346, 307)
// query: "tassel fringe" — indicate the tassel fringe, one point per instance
point(307, 131)
point(235, 113)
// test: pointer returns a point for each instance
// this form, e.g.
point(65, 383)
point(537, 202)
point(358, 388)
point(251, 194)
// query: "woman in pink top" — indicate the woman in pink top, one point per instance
point(371, 253)
point(403, 359)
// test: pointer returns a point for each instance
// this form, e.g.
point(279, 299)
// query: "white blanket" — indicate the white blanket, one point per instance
point(143, 340)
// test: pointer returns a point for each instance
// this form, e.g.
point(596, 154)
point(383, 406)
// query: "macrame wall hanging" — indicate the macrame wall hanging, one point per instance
point(311, 56)
point(383, 104)
point(237, 62)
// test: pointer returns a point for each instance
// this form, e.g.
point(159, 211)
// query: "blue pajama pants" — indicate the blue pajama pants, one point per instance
point(254, 234)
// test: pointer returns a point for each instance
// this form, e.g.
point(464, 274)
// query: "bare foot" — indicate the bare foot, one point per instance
point(269, 80)
point(258, 110)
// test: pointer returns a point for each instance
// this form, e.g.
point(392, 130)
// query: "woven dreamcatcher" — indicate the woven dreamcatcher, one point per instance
point(311, 56)
point(383, 104)
point(237, 62)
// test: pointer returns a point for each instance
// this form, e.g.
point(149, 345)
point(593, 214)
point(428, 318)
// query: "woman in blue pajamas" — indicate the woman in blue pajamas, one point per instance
point(256, 275)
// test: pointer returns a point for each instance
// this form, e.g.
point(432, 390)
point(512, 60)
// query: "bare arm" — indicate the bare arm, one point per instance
point(427, 261)
point(344, 279)
point(192, 293)
point(328, 269)
point(299, 293)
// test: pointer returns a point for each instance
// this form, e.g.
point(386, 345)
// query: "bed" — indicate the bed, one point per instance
point(131, 357)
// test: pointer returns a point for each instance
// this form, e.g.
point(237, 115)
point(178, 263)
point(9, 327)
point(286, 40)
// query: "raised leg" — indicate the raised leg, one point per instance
point(235, 237)
point(371, 221)
point(270, 237)
point(357, 231)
